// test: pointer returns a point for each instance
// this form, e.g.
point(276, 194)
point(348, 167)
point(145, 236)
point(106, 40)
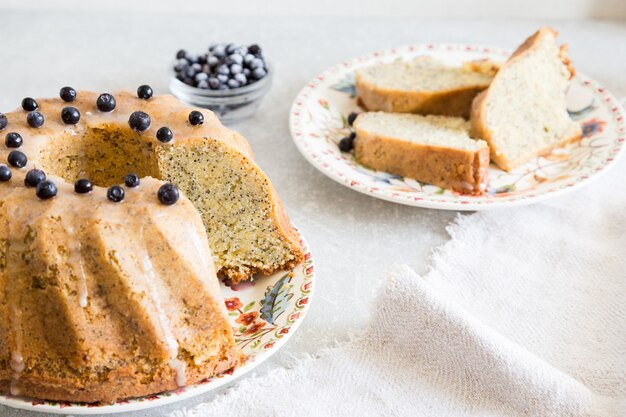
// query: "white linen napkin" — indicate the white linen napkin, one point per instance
point(522, 314)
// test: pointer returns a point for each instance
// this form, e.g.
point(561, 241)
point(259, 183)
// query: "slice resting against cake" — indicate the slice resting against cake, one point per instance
point(523, 113)
point(432, 149)
point(423, 86)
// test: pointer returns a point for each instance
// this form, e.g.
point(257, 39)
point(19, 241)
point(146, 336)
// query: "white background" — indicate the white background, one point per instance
point(548, 9)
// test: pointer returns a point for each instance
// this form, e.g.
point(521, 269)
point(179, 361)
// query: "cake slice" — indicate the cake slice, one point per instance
point(432, 149)
point(423, 86)
point(523, 113)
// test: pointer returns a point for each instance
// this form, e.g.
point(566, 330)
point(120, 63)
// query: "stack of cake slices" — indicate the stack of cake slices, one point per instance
point(416, 126)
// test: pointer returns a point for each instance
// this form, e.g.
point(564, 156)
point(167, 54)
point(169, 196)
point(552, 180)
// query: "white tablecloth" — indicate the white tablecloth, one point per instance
point(355, 239)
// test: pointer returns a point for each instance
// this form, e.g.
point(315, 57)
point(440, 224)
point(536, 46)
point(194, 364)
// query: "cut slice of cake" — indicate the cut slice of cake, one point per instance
point(422, 86)
point(432, 149)
point(523, 114)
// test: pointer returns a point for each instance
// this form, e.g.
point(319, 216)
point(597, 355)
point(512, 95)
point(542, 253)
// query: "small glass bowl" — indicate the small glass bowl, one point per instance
point(229, 105)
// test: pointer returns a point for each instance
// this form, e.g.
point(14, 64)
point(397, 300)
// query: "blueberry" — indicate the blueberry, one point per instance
point(258, 73)
point(83, 186)
point(139, 121)
point(35, 119)
point(144, 92)
point(219, 51)
point(189, 72)
point(214, 83)
point(5, 173)
point(168, 194)
point(17, 159)
point(34, 177)
point(70, 115)
point(230, 48)
point(29, 104)
point(352, 117)
point(131, 180)
point(243, 80)
point(115, 193)
point(346, 144)
point(188, 81)
point(254, 49)
point(68, 94)
point(105, 102)
point(223, 87)
point(46, 189)
point(248, 59)
point(236, 58)
point(232, 83)
point(256, 63)
point(164, 134)
point(246, 72)
point(202, 59)
point(196, 67)
point(223, 69)
point(13, 140)
point(181, 54)
point(242, 50)
point(203, 84)
point(235, 69)
point(192, 58)
point(181, 64)
point(196, 118)
point(222, 78)
point(212, 60)
point(201, 77)
point(3, 121)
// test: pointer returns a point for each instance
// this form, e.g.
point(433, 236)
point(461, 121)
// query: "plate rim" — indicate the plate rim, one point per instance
point(580, 181)
point(64, 408)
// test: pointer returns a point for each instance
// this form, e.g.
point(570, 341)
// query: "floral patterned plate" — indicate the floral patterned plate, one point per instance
point(264, 314)
point(318, 122)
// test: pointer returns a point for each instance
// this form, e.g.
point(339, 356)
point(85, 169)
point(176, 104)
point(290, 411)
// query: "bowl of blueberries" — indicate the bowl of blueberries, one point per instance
point(228, 79)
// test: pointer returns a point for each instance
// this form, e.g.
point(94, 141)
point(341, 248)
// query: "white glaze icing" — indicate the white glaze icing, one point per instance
point(15, 324)
point(83, 293)
point(75, 260)
point(147, 267)
point(17, 361)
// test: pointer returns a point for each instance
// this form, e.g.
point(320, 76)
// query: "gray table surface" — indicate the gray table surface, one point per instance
point(354, 238)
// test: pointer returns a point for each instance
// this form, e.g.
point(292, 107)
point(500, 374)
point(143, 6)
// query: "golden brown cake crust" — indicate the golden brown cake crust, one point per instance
point(120, 385)
point(463, 171)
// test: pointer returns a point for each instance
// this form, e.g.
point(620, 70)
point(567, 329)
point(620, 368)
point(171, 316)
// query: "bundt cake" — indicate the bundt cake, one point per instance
point(109, 291)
